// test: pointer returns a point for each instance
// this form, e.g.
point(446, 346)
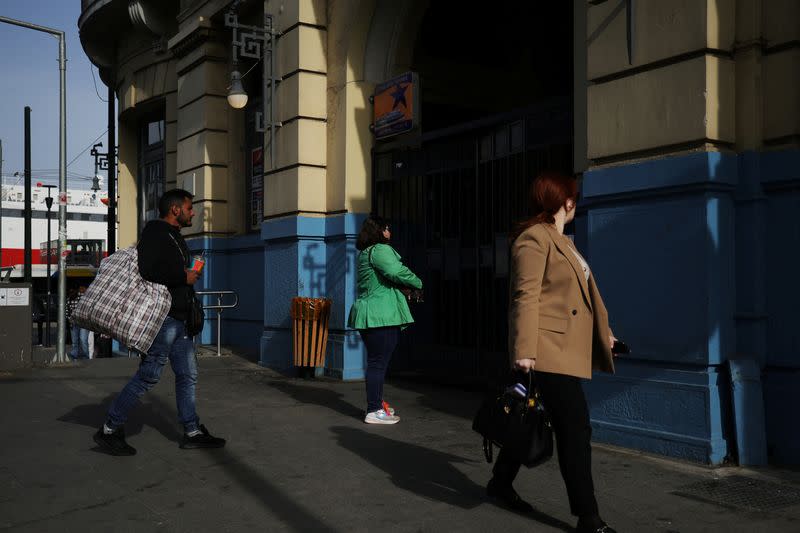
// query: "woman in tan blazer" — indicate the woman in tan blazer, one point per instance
point(558, 326)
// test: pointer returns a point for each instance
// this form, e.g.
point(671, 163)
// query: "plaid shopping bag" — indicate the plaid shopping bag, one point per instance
point(121, 304)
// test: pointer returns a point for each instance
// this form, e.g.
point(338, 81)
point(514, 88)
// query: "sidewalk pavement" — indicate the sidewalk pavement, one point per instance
point(299, 458)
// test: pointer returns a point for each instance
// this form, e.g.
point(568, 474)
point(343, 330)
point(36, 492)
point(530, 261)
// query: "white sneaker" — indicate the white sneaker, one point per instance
point(381, 417)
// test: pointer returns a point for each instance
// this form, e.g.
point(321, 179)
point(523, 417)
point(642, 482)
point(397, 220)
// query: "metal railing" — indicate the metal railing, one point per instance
point(220, 307)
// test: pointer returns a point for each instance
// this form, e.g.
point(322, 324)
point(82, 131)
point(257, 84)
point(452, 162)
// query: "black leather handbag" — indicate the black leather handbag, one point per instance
point(414, 296)
point(195, 316)
point(520, 426)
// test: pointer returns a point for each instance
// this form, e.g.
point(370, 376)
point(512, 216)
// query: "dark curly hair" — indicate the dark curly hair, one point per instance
point(372, 232)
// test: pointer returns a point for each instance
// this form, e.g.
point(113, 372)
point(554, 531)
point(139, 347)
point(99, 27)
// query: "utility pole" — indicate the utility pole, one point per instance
point(49, 203)
point(27, 209)
point(1, 202)
point(61, 356)
point(62, 200)
point(111, 243)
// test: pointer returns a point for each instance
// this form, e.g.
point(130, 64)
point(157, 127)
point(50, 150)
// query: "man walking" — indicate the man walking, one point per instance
point(164, 258)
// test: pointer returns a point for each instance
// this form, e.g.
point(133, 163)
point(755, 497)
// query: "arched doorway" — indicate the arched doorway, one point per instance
point(496, 105)
point(496, 92)
point(476, 64)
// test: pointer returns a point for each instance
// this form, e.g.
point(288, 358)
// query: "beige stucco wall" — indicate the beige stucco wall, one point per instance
point(679, 91)
point(297, 190)
point(203, 130)
point(295, 182)
point(781, 76)
point(708, 73)
point(349, 110)
point(716, 73)
point(323, 159)
point(676, 104)
point(126, 183)
point(663, 29)
point(144, 80)
point(781, 21)
point(171, 134)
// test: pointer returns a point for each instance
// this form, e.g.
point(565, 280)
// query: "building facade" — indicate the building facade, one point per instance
point(681, 116)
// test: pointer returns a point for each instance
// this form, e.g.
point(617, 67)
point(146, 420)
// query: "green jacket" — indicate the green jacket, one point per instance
point(380, 302)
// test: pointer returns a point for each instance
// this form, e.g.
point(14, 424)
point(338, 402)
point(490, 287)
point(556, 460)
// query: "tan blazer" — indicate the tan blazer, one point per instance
point(555, 316)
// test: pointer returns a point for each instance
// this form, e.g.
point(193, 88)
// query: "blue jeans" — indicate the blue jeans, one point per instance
point(380, 343)
point(174, 345)
point(80, 342)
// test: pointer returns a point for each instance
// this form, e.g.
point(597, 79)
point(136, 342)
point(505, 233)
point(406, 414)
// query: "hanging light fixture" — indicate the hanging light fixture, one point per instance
point(237, 97)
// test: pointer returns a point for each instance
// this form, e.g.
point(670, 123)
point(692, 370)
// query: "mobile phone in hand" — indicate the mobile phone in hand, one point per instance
point(620, 347)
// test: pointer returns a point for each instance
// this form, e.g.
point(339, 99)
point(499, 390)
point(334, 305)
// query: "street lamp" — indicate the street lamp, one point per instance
point(61, 354)
point(237, 97)
point(255, 42)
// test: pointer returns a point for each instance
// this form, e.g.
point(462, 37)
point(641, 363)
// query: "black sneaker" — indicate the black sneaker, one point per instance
point(506, 494)
point(114, 443)
point(593, 524)
point(204, 439)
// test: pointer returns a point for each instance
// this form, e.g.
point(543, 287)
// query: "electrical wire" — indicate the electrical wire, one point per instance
point(246, 73)
point(90, 145)
point(248, 70)
point(91, 69)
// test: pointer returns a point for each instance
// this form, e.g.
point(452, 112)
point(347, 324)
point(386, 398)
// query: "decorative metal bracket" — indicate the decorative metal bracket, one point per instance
point(258, 43)
point(100, 159)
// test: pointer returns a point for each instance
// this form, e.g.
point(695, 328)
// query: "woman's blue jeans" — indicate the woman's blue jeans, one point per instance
point(174, 345)
point(380, 343)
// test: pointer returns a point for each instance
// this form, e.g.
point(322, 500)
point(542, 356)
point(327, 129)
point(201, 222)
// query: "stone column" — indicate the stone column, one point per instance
point(295, 257)
point(659, 228)
point(201, 112)
point(202, 126)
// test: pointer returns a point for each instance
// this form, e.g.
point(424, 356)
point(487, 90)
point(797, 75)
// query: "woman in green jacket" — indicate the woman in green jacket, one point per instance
point(380, 310)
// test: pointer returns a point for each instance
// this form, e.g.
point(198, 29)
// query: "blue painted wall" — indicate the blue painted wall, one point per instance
point(311, 257)
point(691, 255)
point(234, 263)
point(780, 177)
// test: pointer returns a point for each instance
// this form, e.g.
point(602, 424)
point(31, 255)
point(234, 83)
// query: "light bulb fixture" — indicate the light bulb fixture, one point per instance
point(255, 42)
point(237, 97)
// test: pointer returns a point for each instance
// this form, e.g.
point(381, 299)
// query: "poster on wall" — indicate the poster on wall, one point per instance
point(395, 106)
point(256, 187)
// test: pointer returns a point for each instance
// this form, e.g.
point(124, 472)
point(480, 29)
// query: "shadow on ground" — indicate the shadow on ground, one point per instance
point(425, 472)
point(461, 403)
point(147, 414)
point(323, 397)
point(286, 508)
point(419, 470)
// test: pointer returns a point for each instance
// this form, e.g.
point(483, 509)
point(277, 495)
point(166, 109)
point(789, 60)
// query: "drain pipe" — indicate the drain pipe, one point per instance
point(748, 412)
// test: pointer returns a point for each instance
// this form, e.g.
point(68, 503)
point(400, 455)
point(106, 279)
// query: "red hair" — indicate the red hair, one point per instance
point(548, 193)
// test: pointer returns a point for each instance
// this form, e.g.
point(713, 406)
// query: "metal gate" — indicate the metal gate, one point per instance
point(452, 200)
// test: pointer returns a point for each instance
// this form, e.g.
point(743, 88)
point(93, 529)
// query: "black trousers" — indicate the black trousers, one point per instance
point(565, 401)
point(380, 343)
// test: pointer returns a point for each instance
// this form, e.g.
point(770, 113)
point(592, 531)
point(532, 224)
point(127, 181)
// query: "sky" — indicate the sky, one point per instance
point(29, 76)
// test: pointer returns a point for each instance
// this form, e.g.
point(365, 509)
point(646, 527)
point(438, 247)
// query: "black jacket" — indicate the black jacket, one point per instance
point(163, 259)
